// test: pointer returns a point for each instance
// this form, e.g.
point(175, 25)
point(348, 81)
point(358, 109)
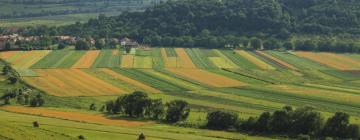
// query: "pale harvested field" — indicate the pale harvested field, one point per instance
point(287, 65)
point(73, 116)
point(71, 82)
point(127, 61)
point(332, 60)
point(170, 62)
point(207, 78)
point(87, 59)
point(131, 81)
point(256, 61)
point(184, 59)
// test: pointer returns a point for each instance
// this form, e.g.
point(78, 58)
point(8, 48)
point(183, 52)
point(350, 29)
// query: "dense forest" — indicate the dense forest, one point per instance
point(217, 23)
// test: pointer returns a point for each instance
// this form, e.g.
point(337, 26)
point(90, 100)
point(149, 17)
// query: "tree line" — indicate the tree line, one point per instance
point(140, 105)
point(301, 123)
point(217, 24)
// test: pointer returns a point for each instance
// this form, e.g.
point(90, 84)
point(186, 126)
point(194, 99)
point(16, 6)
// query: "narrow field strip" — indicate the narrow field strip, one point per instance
point(206, 77)
point(276, 60)
point(240, 61)
point(170, 52)
point(71, 82)
point(7, 54)
point(332, 60)
point(130, 81)
point(157, 58)
point(174, 80)
point(148, 79)
point(184, 59)
point(170, 62)
point(62, 60)
point(87, 60)
point(256, 61)
point(15, 56)
point(144, 62)
point(104, 87)
point(70, 59)
point(73, 116)
point(224, 60)
point(220, 62)
point(49, 60)
point(30, 59)
point(103, 60)
point(301, 62)
point(199, 58)
point(127, 61)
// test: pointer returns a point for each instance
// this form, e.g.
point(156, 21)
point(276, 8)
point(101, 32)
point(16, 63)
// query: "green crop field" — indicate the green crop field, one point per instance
point(326, 89)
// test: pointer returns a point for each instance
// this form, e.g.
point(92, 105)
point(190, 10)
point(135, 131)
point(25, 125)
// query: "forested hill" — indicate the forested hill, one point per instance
point(184, 22)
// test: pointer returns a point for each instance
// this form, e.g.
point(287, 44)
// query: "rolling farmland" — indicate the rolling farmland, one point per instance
point(246, 82)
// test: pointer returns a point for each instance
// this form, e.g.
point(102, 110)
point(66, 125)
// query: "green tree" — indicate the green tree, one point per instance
point(178, 110)
point(82, 44)
point(262, 124)
point(256, 43)
point(221, 120)
point(100, 44)
point(7, 45)
point(337, 125)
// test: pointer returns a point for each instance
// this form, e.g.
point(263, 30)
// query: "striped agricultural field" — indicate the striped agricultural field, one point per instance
point(170, 62)
point(199, 58)
point(336, 61)
point(207, 78)
point(87, 59)
point(276, 60)
point(107, 59)
point(138, 84)
point(222, 61)
point(7, 54)
point(29, 58)
point(184, 59)
point(256, 61)
point(127, 61)
point(144, 62)
point(71, 82)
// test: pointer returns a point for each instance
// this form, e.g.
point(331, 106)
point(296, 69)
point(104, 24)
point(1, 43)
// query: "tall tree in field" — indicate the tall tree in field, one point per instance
point(178, 110)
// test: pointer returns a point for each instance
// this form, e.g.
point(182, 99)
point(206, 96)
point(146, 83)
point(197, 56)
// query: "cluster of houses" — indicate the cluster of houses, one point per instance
point(125, 42)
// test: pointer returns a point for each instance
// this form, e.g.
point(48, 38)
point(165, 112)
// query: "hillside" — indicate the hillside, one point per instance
point(15, 13)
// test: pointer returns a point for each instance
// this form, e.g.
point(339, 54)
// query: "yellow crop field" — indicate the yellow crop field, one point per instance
point(143, 62)
point(87, 60)
point(184, 59)
point(74, 116)
point(332, 60)
point(220, 62)
point(228, 63)
point(30, 59)
point(206, 77)
point(131, 81)
point(127, 61)
point(313, 92)
point(8, 54)
point(170, 62)
point(287, 65)
point(256, 61)
point(115, 52)
point(71, 82)
point(188, 85)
